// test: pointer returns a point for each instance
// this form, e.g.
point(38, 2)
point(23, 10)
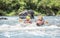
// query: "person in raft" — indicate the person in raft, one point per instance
point(40, 21)
point(28, 20)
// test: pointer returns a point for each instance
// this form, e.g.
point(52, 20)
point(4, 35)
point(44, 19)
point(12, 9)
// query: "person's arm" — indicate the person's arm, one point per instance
point(46, 22)
point(20, 20)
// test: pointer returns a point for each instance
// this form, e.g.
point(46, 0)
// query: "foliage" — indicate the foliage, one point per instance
point(14, 7)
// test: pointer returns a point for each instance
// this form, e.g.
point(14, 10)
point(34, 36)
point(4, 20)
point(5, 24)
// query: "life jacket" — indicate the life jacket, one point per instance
point(28, 21)
point(40, 22)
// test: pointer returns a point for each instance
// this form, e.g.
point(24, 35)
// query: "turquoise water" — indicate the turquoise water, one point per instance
point(52, 31)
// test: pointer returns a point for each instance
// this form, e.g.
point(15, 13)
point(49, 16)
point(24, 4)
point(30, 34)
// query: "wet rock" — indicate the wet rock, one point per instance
point(3, 18)
point(24, 13)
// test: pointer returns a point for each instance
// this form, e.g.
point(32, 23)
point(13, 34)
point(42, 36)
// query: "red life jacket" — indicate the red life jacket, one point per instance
point(28, 21)
point(40, 22)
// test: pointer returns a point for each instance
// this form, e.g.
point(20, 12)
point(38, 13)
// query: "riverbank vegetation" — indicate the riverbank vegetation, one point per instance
point(44, 7)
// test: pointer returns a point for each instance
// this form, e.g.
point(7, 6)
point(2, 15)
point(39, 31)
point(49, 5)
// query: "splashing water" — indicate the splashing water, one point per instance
point(11, 28)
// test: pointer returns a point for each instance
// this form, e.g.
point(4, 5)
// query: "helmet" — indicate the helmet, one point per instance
point(40, 17)
point(27, 17)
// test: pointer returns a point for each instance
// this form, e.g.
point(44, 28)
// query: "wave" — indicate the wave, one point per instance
point(21, 26)
point(51, 30)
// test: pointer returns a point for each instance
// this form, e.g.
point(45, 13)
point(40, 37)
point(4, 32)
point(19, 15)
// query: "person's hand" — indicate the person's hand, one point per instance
point(46, 22)
point(20, 20)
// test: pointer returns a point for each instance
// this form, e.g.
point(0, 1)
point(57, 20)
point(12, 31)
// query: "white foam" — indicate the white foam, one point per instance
point(5, 27)
point(51, 26)
point(30, 29)
point(7, 34)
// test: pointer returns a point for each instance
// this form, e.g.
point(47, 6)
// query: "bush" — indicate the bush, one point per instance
point(58, 13)
point(11, 14)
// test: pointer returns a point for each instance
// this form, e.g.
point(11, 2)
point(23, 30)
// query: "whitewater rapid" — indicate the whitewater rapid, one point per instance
point(11, 28)
point(21, 26)
point(9, 31)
